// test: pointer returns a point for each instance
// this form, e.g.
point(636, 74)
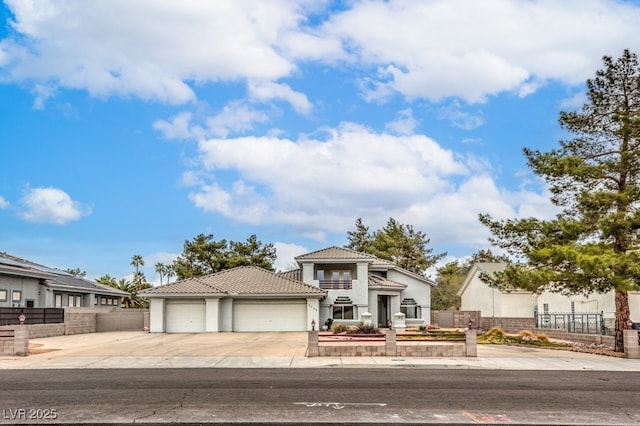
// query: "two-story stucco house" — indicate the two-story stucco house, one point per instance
point(28, 284)
point(334, 283)
point(358, 282)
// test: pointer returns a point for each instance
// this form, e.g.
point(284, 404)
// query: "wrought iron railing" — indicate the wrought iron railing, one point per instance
point(335, 284)
point(572, 322)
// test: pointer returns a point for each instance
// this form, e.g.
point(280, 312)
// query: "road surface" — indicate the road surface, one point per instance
point(359, 395)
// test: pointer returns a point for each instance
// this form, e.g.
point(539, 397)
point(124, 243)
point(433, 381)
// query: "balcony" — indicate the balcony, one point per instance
point(335, 284)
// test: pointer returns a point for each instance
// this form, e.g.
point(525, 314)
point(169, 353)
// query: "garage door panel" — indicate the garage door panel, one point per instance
point(270, 315)
point(185, 316)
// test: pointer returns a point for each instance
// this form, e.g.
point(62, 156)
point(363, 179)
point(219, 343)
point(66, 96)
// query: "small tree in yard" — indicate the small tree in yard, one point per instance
point(593, 244)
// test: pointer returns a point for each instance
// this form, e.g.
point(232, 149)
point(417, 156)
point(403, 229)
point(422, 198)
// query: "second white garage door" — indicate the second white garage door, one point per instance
point(185, 316)
point(265, 315)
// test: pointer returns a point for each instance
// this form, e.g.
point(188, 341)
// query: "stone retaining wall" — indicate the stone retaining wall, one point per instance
point(14, 340)
point(79, 322)
point(510, 325)
point(391, 347)
point(37, 331)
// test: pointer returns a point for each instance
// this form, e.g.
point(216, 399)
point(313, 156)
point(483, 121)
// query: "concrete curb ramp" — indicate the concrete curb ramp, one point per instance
point(273, 350)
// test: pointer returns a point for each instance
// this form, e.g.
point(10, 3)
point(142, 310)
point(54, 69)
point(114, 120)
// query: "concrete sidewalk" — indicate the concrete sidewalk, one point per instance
point(273, 350)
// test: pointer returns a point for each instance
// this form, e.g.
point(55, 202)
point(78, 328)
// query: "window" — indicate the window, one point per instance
point(58, 301)
point(70, 300)
point(545, 308)
point(342, 308)
point(16, 296)
point(409, 308)
point(3, 295)
point(78, 301)
point(343, 312)
point(30, 303)
point(320, 275)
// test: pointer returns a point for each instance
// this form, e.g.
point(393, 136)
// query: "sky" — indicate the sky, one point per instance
point(129, 127)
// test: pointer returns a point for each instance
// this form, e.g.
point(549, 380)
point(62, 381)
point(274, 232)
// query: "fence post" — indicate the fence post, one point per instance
point(631, 346)
point(390, 347)
point(313, 347)
point(21, 340)
point(471, 342)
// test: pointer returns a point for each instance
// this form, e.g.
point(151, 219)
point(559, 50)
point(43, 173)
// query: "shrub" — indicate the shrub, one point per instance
point(543, 338)
point(496, 332)
point(423, 329)
point(339, 327)
point(362, 328)
point(328, 323)
point(526, 335)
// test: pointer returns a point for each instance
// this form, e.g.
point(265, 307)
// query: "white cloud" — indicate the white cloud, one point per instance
point(267, 90)
point(471, 50)
point(161, 49)
point(150, 48)
point(574, 102)
point(51, 205)
point(179, 127)
point(459, 118)
point(4, 203)
point(236, 117)
point(320, 186)
point(404, 124)
point(286, 255)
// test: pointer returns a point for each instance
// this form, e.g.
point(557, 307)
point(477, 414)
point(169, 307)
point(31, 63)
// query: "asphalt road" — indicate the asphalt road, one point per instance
point(318, 396)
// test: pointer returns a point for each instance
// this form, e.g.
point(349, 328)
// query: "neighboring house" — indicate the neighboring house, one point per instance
point(31, 285)
point(475, 294)
point(247, 298)
point(334, 283)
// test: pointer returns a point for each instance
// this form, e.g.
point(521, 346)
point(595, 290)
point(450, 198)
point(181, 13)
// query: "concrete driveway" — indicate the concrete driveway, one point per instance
point(136, 343)
point(135, 349)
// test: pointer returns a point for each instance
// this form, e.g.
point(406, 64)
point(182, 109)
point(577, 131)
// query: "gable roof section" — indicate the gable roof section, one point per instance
point(335, 253)
point(342, 255)
point(378, 282)
point(477, 269)
point(240, 281)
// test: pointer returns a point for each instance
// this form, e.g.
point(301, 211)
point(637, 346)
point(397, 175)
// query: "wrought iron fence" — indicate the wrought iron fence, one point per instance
point(572, 322)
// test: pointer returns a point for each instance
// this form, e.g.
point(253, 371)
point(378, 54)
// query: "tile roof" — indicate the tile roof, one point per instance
point(294, 274)
point(335, 252)
point(243, 280)
point(378, 281)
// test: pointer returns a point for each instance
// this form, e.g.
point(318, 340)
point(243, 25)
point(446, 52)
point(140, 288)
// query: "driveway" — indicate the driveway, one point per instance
point(135, 343)
point(135, 349)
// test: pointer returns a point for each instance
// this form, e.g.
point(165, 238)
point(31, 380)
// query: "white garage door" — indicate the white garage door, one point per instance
point(266, 315)
point(185, 316)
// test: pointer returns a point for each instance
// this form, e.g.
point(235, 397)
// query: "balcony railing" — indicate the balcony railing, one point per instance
point(335, 284)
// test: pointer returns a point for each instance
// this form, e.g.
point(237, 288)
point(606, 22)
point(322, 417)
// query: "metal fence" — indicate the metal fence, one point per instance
point(572, 322)
point(11, 316)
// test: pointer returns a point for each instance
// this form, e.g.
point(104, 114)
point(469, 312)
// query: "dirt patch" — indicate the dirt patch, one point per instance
point(36, 349)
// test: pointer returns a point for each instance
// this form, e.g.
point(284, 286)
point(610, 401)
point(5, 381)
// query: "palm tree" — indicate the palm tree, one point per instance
point(161, 269)
point(170, 272)
point(137, 261)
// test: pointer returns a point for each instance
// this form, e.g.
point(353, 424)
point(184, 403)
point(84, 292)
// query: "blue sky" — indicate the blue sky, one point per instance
point(130, 127)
